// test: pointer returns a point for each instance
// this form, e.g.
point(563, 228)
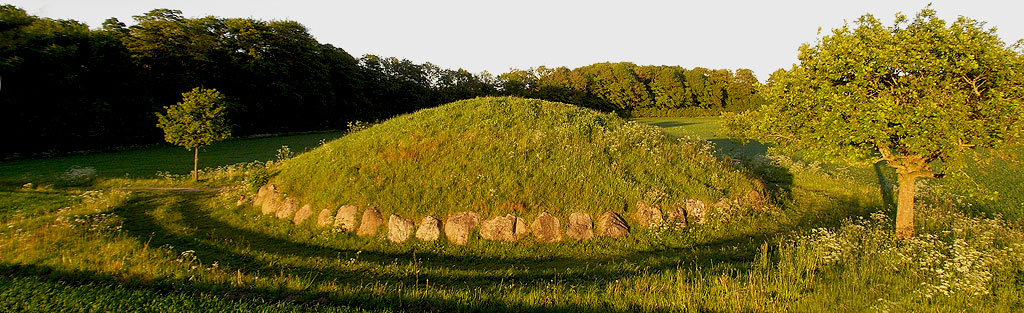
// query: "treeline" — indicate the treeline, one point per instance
point(633, 90)
point(67, 87)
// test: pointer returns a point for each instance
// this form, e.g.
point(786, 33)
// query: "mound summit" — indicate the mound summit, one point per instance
point(506, 155)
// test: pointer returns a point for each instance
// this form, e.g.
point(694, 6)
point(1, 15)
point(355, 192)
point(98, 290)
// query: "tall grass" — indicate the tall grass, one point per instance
point(509, 155)
point(829, 247)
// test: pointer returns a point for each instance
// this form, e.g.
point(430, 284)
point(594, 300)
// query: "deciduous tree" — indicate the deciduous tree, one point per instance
point(198, 120)
point(920, 95)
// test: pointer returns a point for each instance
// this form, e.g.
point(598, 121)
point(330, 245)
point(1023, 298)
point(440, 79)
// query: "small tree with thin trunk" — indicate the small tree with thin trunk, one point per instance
point(921, 96)
point(198, 120)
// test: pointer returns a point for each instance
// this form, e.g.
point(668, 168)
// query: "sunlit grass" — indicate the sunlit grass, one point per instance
point(498, 156)
point(827, 246)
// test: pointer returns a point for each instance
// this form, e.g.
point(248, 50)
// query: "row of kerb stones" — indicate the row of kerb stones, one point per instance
point(457, 228)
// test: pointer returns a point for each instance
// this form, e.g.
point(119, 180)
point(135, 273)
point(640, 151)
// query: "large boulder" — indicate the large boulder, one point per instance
point(676, 215)
point(399, 228)
point(302, 214)
point(648, 215)
point(269, 206)
point(346, 218)
point(458, 227)
point(500, 228)
point(429, 230)
point(696, 211)
point(580, 226)
point(546, 228)
point(286, 208)
point(265, 194)
point(325, 218)
point(610, 224)
point(370, 222)
point(522, 228)
point(267, 198)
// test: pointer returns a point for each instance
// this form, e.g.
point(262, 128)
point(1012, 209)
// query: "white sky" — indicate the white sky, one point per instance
point(495, 36)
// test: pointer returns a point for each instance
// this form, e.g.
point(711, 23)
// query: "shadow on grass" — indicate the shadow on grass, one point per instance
point(211, 233)
point(884, 187)
point(63, 282)
point(211, 239)
point(738, 150)
point(246, 250)
point(670, 124)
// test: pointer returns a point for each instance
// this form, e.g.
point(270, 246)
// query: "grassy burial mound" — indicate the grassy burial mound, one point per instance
point(497, 156)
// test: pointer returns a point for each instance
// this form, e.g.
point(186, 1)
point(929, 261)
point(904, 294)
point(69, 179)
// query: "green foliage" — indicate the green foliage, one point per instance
point(920, 95)
point(256, 179)
point(96, 88)
point(198, 120)
point(141, 163)
point(509, 154)
point(112, 250)
point(639, 91)
point(920, 90)
point(956, 260)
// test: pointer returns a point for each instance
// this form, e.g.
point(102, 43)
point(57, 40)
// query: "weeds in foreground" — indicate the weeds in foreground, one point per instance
point(827, 247)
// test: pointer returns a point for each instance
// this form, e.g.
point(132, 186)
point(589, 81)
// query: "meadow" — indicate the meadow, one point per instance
point(152, 161)
point(827, 244)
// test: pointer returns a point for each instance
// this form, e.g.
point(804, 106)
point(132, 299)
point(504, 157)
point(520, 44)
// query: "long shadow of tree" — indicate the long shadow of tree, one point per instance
point(209, 235)
point(490, 272)
point(247, 248)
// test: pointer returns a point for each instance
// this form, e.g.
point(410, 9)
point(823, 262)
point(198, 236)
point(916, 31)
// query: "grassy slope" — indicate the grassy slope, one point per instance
point(181, 252)
point(508, 155)
point(995, 187)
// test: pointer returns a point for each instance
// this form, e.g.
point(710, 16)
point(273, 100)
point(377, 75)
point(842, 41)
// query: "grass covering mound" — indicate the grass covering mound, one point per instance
point(500, 155)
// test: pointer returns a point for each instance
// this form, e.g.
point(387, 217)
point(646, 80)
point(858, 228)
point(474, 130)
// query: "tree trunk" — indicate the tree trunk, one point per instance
point(196, 166)
point(905, 206)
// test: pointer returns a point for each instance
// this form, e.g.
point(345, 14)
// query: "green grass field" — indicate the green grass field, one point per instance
point(522, 156)
point(826, 246)
point(147, 162)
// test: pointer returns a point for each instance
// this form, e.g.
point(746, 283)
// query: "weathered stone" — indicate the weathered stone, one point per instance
point(500, 228)
point(325, 218)
point(302, 214)
point(286, 208)
point(580, 226)
point(267, 198)
point(458, 227)
point(265, 194)
point(346, 218)
point(695, 210)
point(429, 230)
point(610, 224)
point(399, 228)
point(268, 206)
point(370, 222)
point(676, 215)
point(522, 228)
point(546, 228)
point(753, 197)
point(648, 215)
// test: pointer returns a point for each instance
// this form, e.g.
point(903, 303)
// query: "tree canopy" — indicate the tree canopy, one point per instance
point(78, 88)
point(921, 95)
point(198, 120)
point(639, 90)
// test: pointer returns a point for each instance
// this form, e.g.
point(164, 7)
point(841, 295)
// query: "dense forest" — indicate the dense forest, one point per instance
point(633, 90)
point(67, 87)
